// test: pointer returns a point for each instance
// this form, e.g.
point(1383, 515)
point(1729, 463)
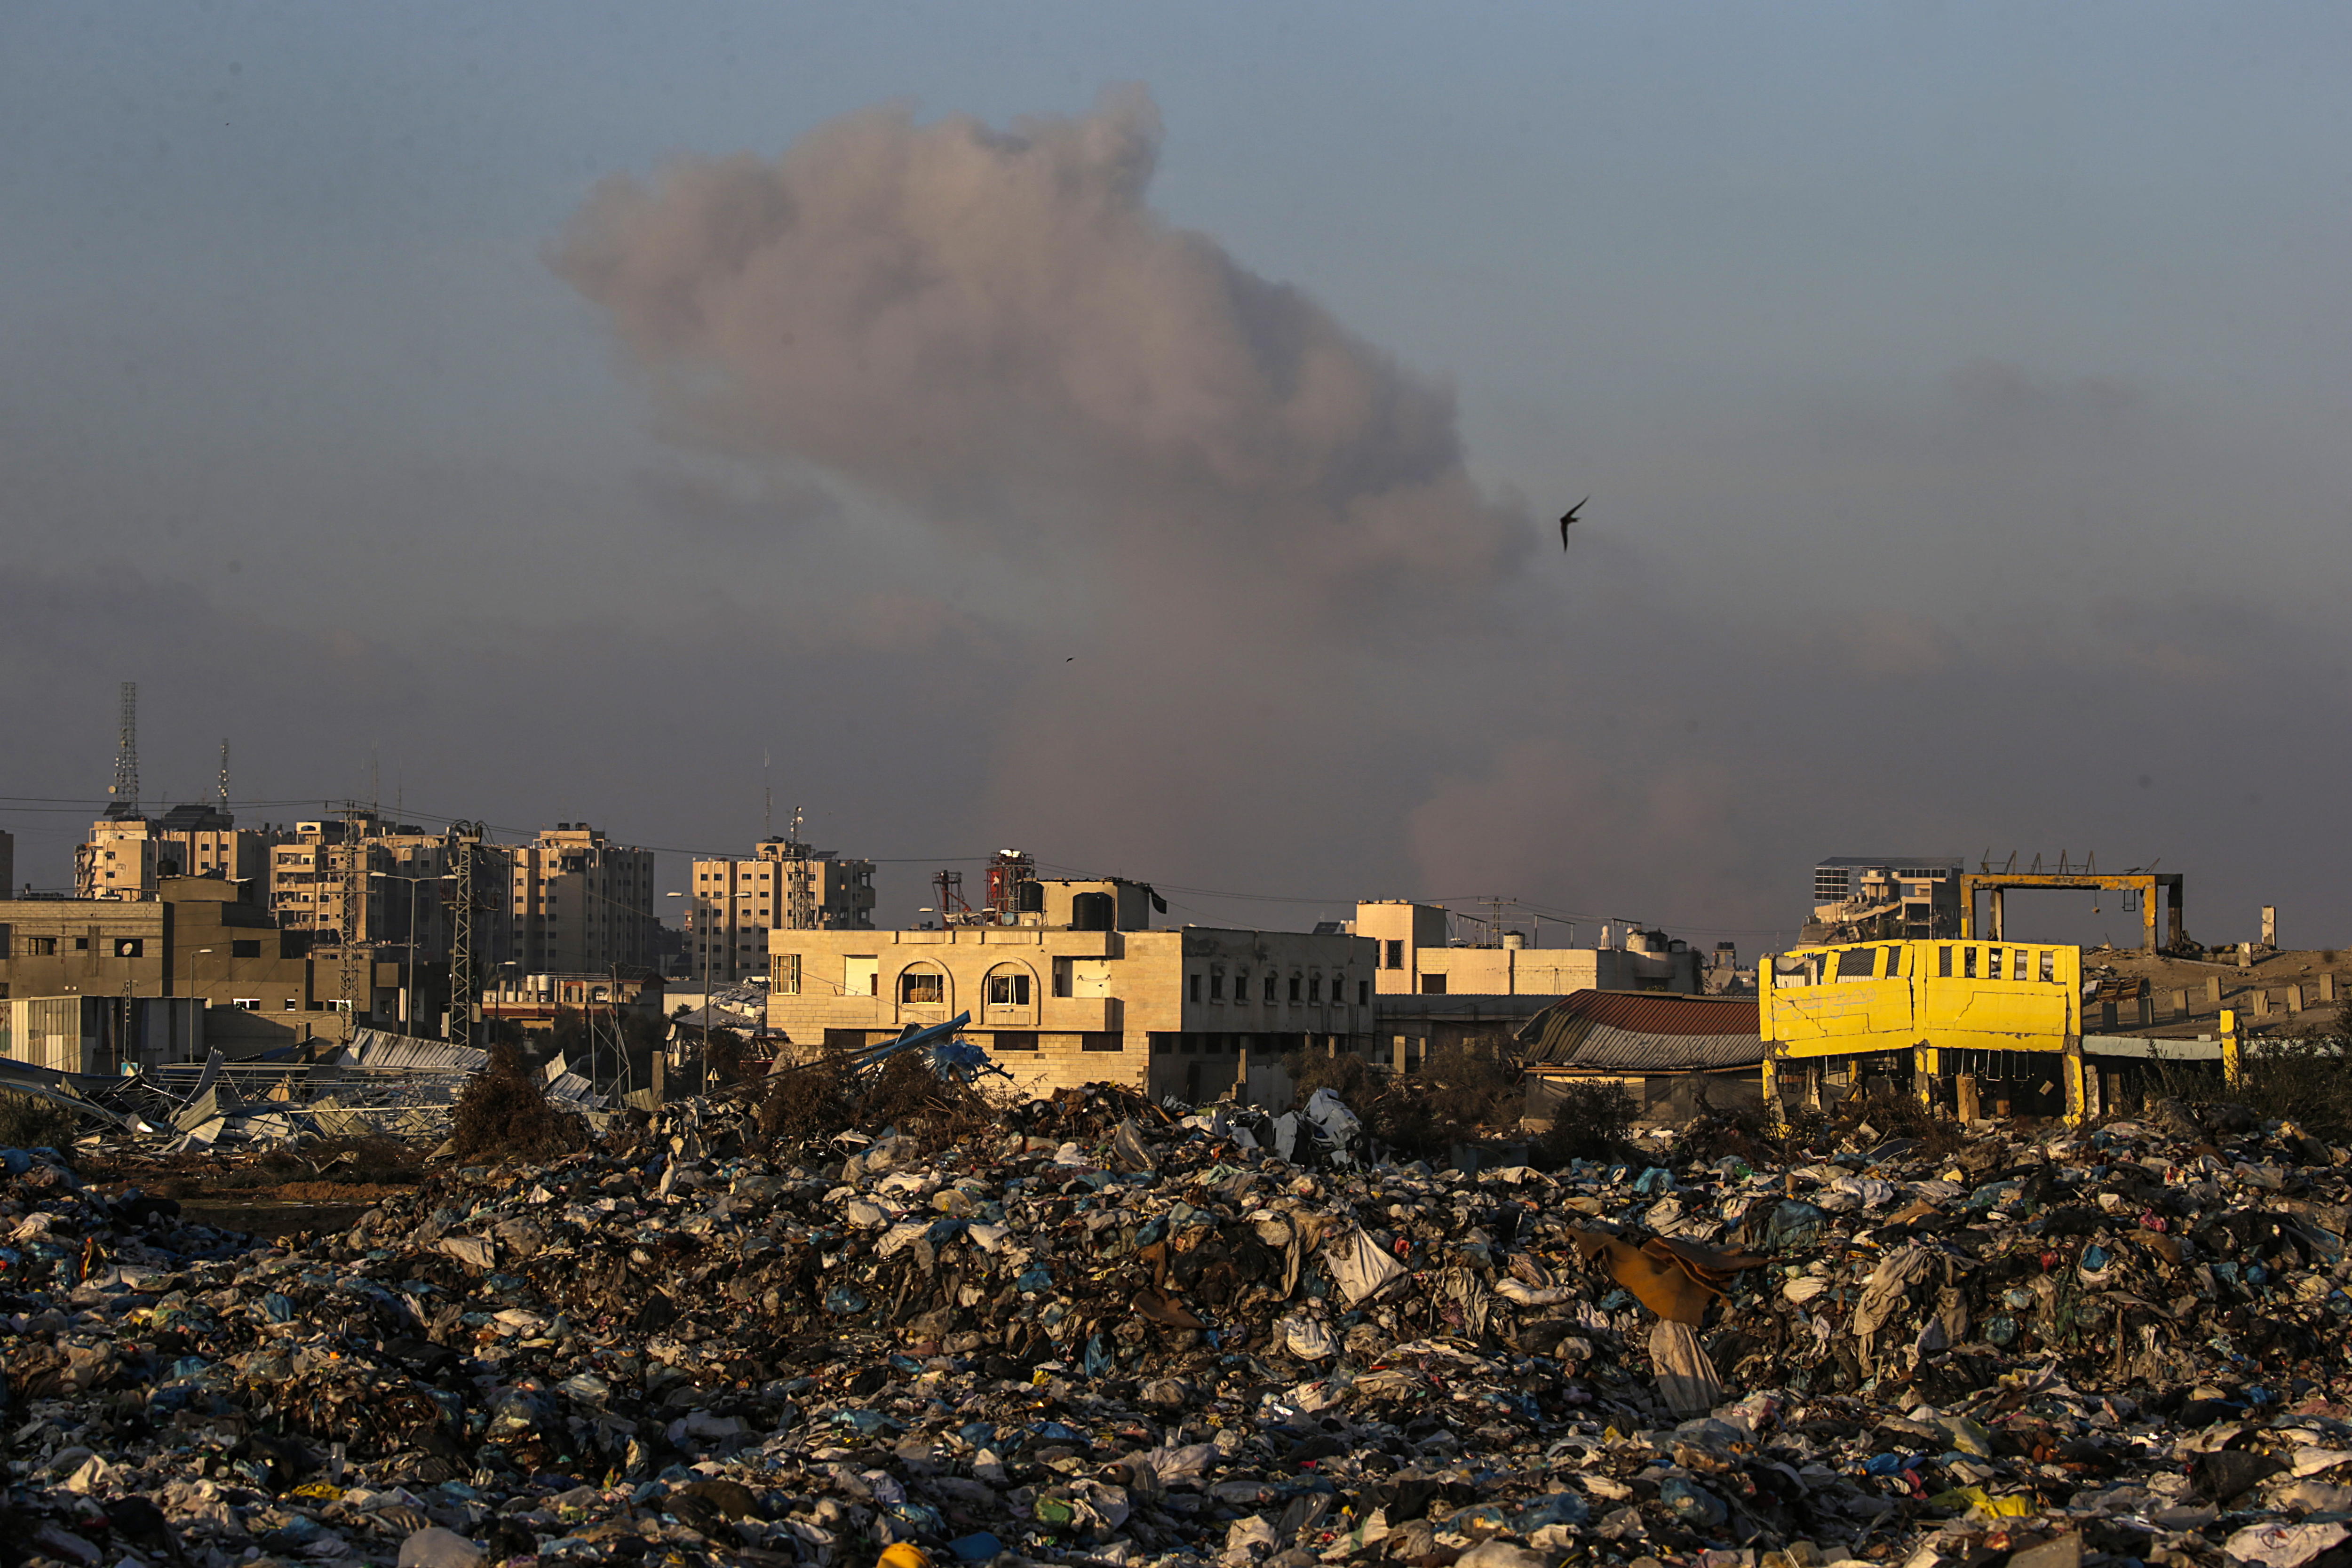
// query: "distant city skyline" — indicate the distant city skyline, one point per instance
point(1959, 393)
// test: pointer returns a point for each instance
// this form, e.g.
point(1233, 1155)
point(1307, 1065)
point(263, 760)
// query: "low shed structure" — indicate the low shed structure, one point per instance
point(1670, 1053)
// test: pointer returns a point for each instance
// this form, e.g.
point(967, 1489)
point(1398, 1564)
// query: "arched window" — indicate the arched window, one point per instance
point(1009, 986)
point(922, 985)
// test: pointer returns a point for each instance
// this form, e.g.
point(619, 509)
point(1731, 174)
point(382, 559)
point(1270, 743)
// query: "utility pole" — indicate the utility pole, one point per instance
point(465, 978)
point(359, 973)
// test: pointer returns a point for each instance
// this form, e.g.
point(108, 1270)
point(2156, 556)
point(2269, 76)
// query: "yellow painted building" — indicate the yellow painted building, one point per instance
point(2007, 1015)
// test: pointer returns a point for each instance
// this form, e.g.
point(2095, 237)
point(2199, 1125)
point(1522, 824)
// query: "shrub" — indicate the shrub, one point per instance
point(1345, 1074)
point(723, 1058)
point(28, 1122)
point(1892, 1111)
point(1589, 1122)
point(504, 1111)
point(1462, 1092)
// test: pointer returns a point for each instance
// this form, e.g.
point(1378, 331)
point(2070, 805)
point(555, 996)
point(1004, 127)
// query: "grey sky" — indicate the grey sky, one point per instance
point(1962, 389)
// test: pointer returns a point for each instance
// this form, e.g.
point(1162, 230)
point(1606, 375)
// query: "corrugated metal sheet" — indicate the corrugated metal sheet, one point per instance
point(1642, 1032)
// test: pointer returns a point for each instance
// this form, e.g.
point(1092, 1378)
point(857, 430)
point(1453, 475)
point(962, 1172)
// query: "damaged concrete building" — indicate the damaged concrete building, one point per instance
point(1073, 986)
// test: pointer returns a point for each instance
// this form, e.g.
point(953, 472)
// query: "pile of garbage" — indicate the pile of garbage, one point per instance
point(1112, 1332)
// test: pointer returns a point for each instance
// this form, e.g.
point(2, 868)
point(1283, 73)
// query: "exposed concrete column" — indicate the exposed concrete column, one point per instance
point(2328, 986)
point(2295, 998)
point(2180, 1006)
point(2213, 990)
point(2269, 925)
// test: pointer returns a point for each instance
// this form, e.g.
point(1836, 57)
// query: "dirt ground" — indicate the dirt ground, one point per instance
point(272, 1192)
point(2243, 991)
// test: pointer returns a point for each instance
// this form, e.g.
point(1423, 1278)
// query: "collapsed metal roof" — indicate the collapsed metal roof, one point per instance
point(1642, 1032)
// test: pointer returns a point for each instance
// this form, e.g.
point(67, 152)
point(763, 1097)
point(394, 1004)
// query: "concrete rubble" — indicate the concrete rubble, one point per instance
point(1115, 1332)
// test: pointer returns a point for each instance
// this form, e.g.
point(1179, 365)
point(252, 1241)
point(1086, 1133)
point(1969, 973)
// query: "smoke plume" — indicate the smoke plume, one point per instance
point(995, 329)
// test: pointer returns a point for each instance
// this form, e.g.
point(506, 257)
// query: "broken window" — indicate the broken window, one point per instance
point(788, 974)
point(1008, 988)
point(861, 977)
point(1315, 988)
point(1992, 963)
point(40, 947)
point(2048, 966)
point(1269, 987)
point(1298, 987)
point(1967, 963)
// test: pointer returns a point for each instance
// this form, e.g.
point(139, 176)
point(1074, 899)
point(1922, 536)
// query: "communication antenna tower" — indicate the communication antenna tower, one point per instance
point(800, 910)
point(223, 776)
point(125, 788)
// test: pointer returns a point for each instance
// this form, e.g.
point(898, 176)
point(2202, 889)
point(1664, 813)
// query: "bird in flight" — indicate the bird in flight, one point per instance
point(1568, 517)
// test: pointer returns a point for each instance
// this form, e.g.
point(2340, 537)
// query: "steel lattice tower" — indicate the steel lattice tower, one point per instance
point(464, 963)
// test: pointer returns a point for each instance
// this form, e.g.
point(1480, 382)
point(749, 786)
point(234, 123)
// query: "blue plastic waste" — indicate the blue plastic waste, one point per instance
point(1552, 1507)
point(978, 1547)
point(1653, 1182)
point(1691, 1503)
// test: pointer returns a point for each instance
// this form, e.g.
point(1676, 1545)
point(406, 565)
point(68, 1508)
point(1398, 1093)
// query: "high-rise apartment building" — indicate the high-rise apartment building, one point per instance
point(128, 855)
point(405, 894)
point(581, 904)
point(786, 886)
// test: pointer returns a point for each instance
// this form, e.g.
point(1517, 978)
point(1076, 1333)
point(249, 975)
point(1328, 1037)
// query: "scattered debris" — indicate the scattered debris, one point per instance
point(915, 1325)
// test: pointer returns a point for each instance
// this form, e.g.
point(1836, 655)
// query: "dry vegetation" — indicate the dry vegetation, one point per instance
point(504, 1113)
point(810, 1102)
point(27, 1121)
point(1461, 1095)
point(2304, 1079)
